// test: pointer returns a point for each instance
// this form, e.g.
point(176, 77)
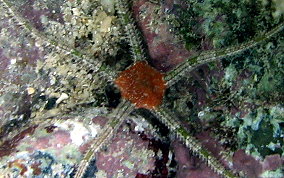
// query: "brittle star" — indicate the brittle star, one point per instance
point(142, 86)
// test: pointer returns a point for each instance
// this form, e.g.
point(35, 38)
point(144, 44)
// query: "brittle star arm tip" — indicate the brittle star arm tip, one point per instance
point(75, 54)
point(132, 34)
point(190, 64)
point(117, 118)
point(192, 143)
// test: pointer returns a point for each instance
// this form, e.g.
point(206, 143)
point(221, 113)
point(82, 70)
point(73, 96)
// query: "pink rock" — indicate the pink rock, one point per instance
point(248, 164)
point(163, 47)
point(189, 166)
point(100, 120)
point(127, 153)
point(54, 145)
point(272, 162)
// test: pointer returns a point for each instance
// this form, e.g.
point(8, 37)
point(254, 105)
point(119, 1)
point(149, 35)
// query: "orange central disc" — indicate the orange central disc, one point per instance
point(142, 85)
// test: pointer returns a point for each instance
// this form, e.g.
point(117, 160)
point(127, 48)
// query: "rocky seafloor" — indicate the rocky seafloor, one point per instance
point(234, 106)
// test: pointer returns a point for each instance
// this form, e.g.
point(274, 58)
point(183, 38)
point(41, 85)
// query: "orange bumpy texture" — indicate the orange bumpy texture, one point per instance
point(142, 85)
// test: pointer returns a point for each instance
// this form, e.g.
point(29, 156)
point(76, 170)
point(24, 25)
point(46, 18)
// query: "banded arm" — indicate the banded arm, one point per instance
point(173, 76)
point(133, 35)
point(76, 56)
point(119, 115)
point(192, 143)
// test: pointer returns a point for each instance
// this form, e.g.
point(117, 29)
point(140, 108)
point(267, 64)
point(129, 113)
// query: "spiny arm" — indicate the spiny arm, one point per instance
point(120, 114)
point(77, 56)
point(173, 76)
point(192, 143)
point(133, 35)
